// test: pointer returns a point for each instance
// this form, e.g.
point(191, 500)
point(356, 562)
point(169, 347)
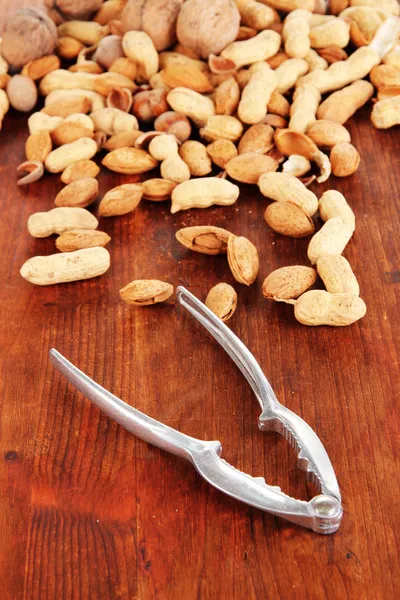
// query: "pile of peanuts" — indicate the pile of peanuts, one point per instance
point(206, 91)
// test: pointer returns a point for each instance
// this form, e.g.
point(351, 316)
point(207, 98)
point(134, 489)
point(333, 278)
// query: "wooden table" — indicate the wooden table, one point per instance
point(88, 511)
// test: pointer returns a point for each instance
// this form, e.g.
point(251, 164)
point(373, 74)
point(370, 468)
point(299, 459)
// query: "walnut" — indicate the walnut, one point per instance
point(157, 18)
point(207, 26)
point(29, 34)
point(64, 10)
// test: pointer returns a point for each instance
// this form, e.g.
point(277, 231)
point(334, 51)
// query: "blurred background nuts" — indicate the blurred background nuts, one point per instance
point(29, 34)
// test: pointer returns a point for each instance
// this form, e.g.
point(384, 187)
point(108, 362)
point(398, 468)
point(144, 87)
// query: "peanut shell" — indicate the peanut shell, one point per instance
point(333, 204)
point(202, 193)
point(58, 220)
point(139, 47)
point(120, 98)
point(386, 112)
point(337, 274)
point(258, 48)
point(87, 32)
point(195, 156)
point(34, 171)
point(283, 187)
point(291, 142)
point(59, 159)
point(63, 268)
point(332, 238)
point(113, 120)
point(191, 104)
point(318, 307)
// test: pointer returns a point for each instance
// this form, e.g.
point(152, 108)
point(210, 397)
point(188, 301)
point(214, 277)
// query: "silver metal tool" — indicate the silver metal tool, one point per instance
point(322, 514)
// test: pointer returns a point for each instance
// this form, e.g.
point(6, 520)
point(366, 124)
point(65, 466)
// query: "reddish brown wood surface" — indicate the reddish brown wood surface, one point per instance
point(88, 511)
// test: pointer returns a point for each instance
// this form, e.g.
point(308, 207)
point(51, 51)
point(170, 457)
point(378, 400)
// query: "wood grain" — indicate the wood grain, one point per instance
point(88, 511)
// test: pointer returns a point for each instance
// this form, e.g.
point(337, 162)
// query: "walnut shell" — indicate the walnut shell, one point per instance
point(208, 26)
point(73, 9)
point(157, 18)
point(29, 34)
